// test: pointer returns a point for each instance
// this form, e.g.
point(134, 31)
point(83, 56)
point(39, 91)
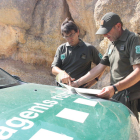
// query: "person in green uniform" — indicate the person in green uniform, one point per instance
point(73, 59)
point(123, 58)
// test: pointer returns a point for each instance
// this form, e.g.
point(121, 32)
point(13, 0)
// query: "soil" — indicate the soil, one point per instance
point(28, 73)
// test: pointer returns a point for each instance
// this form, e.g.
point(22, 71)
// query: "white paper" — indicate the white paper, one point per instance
point(81, 90)
point(88, 91)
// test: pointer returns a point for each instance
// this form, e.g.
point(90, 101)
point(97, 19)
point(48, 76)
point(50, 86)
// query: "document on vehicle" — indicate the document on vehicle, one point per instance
point(81, 90)
point(88, 91)
point(72, 89)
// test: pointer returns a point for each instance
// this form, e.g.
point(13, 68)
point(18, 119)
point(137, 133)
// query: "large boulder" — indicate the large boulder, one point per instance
point(17, 12)
point(30, 29)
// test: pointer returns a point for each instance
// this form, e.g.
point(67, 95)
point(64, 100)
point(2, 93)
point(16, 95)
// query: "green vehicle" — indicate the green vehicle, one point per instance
point(31, 111)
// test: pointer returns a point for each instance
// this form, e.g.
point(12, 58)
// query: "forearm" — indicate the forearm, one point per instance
point(130, 80)
point(100, 74)
point(56, 70)
point(92, 74)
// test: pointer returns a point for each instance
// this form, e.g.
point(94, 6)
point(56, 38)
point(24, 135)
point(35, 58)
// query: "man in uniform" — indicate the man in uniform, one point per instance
point(73, 59)
point(123, 57)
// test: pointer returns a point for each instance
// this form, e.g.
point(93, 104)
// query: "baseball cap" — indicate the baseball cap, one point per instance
point(107, 22)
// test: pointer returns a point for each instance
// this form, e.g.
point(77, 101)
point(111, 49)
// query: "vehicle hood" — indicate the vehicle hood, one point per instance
point(40, 112)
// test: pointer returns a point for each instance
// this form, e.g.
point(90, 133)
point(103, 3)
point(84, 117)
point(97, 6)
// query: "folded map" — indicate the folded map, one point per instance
point(81, 90)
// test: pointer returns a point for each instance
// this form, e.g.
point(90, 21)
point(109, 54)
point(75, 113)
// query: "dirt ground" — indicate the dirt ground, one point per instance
point(28, 73)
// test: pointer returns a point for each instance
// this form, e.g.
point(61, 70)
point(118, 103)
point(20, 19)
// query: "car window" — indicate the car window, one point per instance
point(6, 79)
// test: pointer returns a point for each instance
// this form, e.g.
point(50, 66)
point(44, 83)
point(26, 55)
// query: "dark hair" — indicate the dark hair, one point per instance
point(67, 26)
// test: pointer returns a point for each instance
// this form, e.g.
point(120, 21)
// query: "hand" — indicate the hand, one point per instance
point(90, 84)
point(66, 79)
point(107, 92)
point(74, 84)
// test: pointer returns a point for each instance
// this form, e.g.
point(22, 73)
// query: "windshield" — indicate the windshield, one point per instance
point(6, 79)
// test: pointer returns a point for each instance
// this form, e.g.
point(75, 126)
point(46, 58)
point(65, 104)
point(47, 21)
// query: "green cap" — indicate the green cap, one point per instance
point(107, 22)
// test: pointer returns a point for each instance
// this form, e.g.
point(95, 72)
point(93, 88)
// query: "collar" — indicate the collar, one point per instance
point(124, 35)
point(79, 44)
point(67, 44)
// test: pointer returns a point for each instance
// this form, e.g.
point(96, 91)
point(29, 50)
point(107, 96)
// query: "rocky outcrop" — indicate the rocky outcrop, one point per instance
point(30, 30)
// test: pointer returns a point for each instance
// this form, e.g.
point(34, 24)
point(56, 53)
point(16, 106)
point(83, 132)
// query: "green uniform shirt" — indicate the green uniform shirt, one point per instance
point(121, 56)
point(76, 61)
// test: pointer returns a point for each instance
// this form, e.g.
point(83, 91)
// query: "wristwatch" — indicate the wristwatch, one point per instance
point(116, 91)
point(96, 79)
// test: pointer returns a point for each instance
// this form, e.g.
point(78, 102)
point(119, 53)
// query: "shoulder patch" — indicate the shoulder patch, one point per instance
point(62, 56)
point(100, 55)
point(138, 49)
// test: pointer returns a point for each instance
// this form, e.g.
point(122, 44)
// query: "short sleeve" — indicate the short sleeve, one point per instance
point(105, 59)
point(95, 55)
point(57, 61)
point(134, 44)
